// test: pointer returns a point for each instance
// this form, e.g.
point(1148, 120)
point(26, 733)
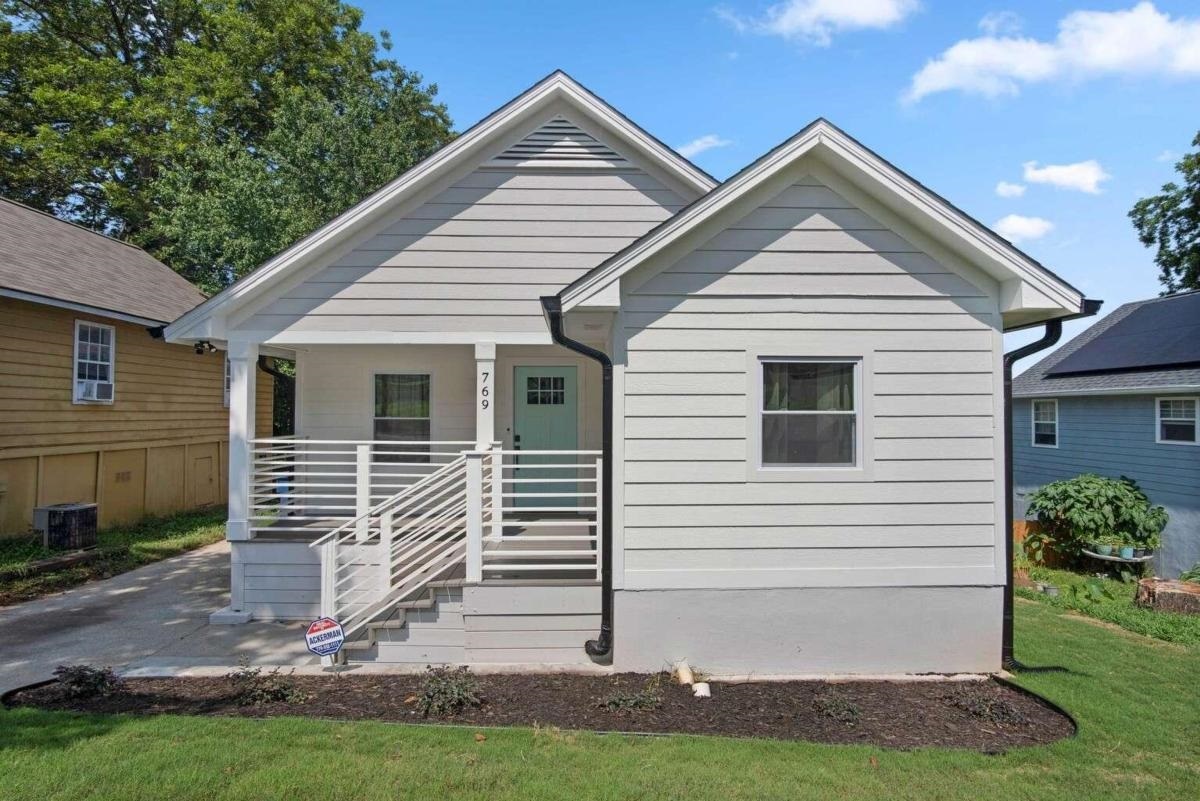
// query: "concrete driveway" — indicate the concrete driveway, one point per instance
point(117, 621)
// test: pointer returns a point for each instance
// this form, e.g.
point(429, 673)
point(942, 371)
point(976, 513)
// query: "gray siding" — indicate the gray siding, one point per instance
point(477, 256)
point(1115, 436)
point(808, 274)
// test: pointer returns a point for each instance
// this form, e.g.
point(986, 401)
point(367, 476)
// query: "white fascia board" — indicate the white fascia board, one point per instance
point(292, 339)
point(905, 196)
point(473, 143)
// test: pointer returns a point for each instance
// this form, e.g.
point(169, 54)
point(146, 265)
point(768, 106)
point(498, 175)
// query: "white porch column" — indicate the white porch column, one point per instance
point(243, 357)
point(485, 395)
point(474, 517)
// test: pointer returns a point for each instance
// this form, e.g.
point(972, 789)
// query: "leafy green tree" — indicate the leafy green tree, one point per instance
point(231, 207)
point(102, 101)
point(1170, 222)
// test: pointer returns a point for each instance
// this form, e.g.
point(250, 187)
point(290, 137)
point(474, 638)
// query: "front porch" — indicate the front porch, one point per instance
point(423, 476)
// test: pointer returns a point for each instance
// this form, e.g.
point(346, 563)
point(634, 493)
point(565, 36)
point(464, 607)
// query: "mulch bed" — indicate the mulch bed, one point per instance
point(981, 715)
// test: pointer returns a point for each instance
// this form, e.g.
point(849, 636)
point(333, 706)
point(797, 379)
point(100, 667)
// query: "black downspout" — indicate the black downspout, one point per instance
point(602, 645)
point(1053, 333)
point(270, 369)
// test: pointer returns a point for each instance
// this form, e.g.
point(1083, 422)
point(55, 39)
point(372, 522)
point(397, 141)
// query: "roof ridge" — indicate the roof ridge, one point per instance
point(80, 226)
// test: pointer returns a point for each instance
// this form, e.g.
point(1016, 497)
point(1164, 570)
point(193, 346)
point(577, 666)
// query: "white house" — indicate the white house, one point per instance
point(557, 385)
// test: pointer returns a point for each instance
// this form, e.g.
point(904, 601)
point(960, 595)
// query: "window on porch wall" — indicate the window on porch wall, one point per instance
point(402, 414)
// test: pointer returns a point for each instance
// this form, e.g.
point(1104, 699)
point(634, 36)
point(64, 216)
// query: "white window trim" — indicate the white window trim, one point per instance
point(1158, 419)
point(112, 365)
point(863, 468)
point(228, 379)
point(1033, 421)
point(371, 395)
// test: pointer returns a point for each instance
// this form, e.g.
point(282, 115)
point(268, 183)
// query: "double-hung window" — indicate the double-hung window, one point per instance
point(810, 415)
point(1045, 423)
point(402, 415)
point(94, 363)
point(1177, 420)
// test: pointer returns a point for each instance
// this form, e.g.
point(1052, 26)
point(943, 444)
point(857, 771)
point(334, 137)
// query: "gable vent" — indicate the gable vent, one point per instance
point(559, 143)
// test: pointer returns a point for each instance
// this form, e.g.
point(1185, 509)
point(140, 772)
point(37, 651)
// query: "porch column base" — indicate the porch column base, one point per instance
point(237, 530)
point(228, 617)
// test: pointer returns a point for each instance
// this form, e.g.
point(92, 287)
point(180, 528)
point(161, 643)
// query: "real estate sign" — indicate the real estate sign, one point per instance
point(324, 637)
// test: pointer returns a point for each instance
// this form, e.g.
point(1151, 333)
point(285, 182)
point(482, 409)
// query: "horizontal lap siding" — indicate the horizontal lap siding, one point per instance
point(479, 255)
point(808, 275)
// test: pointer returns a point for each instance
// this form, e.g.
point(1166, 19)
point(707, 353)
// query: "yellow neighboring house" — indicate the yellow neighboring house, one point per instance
point(94, 405)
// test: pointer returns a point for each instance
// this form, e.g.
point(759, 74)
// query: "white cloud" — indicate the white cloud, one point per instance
point(1005, 189)
point(1166, 156)
point(1017, 228)
point(1000, 23)
point(1083, 176)
point(698, 146)
point(816, 21)
point(1137, 41)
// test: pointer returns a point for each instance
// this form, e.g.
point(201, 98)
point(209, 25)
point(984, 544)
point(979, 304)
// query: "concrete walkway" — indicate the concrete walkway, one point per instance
point(155, 614)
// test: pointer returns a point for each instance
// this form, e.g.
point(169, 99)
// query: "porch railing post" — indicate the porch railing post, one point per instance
point(328, 578)
point(599, 513)
point(474, 516)
point(385, 552)
point(362, 495)
point(497, 487)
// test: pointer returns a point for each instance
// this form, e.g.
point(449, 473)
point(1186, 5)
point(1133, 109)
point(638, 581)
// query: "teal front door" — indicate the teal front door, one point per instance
point(545, 418)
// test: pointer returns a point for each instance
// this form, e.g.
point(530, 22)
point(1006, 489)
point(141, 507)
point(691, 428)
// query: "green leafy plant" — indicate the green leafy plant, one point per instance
point(1088, 508)
point(649, 697)
point(1191, 574)
point(1091, 591)
point(256, 688)
point(447, 691)
point(837, 707)
point(85, 681)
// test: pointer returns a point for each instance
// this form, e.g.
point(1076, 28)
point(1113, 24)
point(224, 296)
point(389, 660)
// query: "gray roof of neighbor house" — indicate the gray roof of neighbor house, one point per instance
point(44, 256)
point(1144, 345)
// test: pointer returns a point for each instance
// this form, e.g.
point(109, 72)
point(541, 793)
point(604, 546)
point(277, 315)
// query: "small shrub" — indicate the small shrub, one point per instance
point(447, 691)
point(837, 707)
point(649, 697)
point(256, 688)
point(1191, 574)
point(1090, 509)
point(85, 681)
point(979, 702)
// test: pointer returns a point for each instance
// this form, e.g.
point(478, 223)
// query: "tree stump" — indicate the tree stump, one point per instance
point(1169, 596)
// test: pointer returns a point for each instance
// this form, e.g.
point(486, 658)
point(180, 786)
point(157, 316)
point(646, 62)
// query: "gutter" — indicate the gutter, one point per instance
point(1087, 308)
point(601, 647)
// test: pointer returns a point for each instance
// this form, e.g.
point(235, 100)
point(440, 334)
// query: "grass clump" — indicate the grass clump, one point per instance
point(649, 697)
point(85, 681)
point(837, 707)
point(256, 688)
point(446, 691)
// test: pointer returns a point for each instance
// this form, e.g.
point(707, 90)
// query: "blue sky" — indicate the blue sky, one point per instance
point(961, 95)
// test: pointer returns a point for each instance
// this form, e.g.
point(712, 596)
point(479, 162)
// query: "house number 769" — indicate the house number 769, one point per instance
point(484, 390)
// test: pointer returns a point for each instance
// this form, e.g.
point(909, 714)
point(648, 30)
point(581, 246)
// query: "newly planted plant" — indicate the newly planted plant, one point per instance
point(447, 691)
point(837, 707)
point(649, 697)
point(85, 681)
point(256, 688)
point(976, 700)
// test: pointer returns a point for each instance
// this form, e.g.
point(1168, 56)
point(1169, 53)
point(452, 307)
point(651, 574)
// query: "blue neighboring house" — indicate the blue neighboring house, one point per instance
point(1122, 398)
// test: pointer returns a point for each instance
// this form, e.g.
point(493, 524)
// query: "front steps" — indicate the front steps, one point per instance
point(424, 630)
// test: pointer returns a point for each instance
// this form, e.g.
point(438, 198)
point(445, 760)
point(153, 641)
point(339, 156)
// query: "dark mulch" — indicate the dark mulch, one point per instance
point(986, 715)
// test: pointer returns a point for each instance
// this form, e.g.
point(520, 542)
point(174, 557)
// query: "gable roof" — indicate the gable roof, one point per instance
point(997, 256)
point(1105, 336)
point(45, 259)
point(556, 91)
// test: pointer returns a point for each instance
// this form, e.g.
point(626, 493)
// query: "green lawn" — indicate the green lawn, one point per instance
point(1135, 699)
point(122, 548)
point(1116, 607)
